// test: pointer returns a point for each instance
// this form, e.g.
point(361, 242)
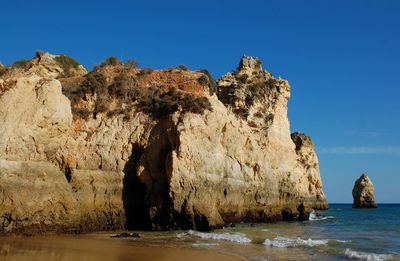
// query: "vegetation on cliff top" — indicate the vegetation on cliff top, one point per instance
point(117, 88)
point(20, 63)
point(66, 62)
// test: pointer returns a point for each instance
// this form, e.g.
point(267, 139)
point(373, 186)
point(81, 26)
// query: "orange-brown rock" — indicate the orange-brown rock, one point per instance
point(142, 149)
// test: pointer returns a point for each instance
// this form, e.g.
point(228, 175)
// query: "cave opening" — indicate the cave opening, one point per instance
point(133, 195)
point(286, 214)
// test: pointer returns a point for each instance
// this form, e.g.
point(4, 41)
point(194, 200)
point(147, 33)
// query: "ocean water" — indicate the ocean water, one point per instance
point(340, 233)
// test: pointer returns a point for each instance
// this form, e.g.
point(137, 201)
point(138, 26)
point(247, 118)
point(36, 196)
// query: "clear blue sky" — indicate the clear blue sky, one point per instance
point(341, 57)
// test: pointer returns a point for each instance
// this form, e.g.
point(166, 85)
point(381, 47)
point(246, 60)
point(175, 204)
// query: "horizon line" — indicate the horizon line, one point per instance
point(376, 203)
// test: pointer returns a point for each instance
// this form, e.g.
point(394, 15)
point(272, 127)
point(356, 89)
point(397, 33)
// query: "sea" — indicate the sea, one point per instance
point(339, 233)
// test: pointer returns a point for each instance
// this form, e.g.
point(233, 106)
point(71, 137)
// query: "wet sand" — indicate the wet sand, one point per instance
point(98, 247)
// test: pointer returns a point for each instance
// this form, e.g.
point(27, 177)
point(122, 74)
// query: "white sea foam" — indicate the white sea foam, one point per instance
point(283, 242)
point(366, 256)
point(231, 237)
point(180, 235)
point(314, 216)
point(343, 241)
point(204, 245)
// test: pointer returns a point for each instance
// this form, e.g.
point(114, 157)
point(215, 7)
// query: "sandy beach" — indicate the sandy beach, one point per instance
point(97, 247)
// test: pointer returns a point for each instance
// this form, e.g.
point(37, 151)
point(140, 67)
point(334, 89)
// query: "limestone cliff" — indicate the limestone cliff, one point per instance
point(123, 147)
point(363, 193)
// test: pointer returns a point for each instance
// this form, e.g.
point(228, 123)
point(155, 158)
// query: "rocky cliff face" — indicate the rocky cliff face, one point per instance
point(122, 147)
point(363, 193)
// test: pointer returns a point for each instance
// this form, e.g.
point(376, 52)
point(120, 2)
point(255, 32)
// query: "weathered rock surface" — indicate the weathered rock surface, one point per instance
point(127, 147)
point(363, 193)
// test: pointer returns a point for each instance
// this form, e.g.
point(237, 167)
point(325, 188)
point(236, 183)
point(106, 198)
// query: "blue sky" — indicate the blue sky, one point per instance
point(341, 57)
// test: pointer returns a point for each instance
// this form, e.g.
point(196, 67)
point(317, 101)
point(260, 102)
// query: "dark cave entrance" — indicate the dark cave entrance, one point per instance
point(133, 195)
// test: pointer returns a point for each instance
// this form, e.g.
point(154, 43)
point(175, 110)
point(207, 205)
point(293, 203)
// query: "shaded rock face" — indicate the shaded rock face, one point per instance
point(125, 147)
point(363, 193)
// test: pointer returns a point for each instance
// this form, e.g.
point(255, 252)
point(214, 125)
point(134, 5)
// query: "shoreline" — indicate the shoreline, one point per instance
point(332, 236)
point(100, 247)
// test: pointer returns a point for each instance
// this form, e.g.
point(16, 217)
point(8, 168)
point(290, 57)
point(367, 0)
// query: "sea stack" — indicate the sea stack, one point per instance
point(363, 193)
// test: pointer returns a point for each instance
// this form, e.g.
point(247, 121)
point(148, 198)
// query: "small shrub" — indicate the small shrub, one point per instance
point(203, 80)
point(131, 64)
point(83, 113)
point(21, 63)
point(102, 103)
point(241, 112)
point(183, 67)
point(243, 78)
point(160, 104)
point(207, 79)
point(66, 62)
point(110, 61)
point(121, 85)
point(95, 82)
point(145, 71)
point(39, 54)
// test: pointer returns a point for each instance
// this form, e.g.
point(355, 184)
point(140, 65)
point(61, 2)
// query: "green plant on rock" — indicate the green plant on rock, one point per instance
point(183, 67)
point(121, 86)
point(131, 64)
point(145, 71)
point(110, 61)
point(39, 54)
point(121, 94)
point(242, 78)
point(21, 64)
point(208, 80)
point(66, 62)
point(163, 103)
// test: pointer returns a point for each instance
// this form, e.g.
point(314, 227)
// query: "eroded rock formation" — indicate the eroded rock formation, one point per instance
point(363, 193)
point(123, 147)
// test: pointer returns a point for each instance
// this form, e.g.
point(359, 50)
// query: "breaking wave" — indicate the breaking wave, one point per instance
point(315, 216)
point(283, 242)
point(231, 237)
point(343, 241)
point(366, 256)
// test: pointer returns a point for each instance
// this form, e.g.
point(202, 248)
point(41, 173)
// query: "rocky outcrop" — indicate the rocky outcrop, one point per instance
point(307, 158)
point(363, 193)
point(123, 147)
